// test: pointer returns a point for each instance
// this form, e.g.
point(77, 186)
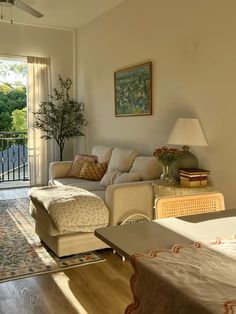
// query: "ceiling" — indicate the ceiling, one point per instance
point(62, 13)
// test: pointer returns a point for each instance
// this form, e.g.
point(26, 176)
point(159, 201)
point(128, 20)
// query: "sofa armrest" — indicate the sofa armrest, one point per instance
point(59, 169)
point(129, 198)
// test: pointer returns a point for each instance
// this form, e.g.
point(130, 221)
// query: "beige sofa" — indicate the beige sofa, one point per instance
point(122, 199)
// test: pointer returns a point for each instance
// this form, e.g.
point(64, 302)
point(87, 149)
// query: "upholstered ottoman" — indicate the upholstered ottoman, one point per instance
point(66, 218)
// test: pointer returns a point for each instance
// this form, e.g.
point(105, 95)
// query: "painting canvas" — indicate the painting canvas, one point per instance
point(133, 91)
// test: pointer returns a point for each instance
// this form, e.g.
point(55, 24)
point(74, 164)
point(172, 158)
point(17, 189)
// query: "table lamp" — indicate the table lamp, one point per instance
point(186, 132)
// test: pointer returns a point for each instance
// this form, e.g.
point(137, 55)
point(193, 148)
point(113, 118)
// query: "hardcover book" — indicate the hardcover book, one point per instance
point(193, 184)
point(197, 178)
point(193, 171)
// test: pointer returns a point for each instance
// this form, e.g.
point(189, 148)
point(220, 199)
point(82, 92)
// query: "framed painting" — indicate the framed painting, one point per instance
point(133, 91)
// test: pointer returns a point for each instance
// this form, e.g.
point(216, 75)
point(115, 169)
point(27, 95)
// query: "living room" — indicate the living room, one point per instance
point(184, 49)
point(191, 46)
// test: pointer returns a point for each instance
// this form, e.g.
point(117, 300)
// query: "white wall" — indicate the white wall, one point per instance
point(41, 42)
point(192, 46)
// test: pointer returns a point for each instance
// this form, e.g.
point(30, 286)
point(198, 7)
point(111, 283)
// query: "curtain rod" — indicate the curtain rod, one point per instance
point(18, 56)
point(7, 55)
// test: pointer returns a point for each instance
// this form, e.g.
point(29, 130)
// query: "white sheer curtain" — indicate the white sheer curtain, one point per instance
point(38, 90)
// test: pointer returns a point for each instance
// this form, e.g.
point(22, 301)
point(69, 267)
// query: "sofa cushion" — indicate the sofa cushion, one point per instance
point(71, 209)
point(93, 170)
point(77, 164)
point(101, 194)
point(122, 159)
point(80, 183)
point(117, 177)
point(103, 153)
point(148, 167)
point(40, 214)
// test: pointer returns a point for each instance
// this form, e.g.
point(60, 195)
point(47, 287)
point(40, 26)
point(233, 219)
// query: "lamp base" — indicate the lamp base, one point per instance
point(186, 160)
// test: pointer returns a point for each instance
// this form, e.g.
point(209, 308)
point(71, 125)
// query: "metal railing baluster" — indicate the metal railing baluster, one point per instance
point(2, 161)
point(18, 157)
point(13, 156)
point(8, 161)
point(24, 156)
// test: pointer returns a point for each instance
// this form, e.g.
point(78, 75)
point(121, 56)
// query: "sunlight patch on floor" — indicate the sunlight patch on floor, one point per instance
point(62, 282)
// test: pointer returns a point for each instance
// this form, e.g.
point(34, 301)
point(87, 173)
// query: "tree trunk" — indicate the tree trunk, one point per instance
point(61, 152)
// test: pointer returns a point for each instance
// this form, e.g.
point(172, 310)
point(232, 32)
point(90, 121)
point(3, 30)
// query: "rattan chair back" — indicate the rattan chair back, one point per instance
point(184, 205)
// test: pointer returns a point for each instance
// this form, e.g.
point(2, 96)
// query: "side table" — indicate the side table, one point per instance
point(162, 189)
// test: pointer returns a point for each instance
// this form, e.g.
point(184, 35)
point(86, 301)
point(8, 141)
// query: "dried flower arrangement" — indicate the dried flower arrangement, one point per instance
point(167, 155)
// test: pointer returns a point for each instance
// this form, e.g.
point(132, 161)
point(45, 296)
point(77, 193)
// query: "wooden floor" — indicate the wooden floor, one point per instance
point(101, 288)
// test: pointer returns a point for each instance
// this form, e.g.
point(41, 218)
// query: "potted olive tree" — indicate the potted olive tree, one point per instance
point(61, 117)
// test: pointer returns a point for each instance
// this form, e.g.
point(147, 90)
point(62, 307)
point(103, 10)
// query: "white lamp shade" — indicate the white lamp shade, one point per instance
point(187, 132)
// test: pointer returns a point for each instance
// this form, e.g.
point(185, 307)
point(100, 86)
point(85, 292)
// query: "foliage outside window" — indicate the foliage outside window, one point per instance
point(13, 112)
point(12, 93)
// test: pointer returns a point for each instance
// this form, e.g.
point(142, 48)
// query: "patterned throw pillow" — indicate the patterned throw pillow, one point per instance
point(78, 162)
point(93, 171)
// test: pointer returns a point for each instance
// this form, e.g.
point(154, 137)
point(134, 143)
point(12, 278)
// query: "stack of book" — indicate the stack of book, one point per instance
point(193, 177)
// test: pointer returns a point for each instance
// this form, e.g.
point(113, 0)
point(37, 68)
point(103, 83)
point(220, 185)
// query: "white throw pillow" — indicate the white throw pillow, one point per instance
point(103, 153)
point(109, 177)
point(122, 159)
point(149, 168)
point(116, 177)
point(127, 177)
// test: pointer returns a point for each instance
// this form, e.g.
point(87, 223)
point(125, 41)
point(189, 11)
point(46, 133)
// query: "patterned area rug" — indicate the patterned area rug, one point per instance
point(21, 252)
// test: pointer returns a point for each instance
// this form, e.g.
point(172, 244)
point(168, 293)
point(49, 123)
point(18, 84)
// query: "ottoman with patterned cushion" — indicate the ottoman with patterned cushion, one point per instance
point(66, 218)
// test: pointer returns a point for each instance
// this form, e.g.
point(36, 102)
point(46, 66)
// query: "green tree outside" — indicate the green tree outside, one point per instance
point(19, 120)
point(13, 115)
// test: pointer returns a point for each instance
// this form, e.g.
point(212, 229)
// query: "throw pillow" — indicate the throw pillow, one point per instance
point(110, 177)
point(150, 168)
point(122, 159)
point(93, 170)
point(127, 177)
point(102, 152)
point(116, 177)
point(78, 162)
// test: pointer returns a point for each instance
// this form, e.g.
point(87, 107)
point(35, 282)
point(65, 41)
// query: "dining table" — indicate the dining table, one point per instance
point(181, 265)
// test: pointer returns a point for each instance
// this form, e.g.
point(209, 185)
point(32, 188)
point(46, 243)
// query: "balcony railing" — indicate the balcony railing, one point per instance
point(13, 156)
